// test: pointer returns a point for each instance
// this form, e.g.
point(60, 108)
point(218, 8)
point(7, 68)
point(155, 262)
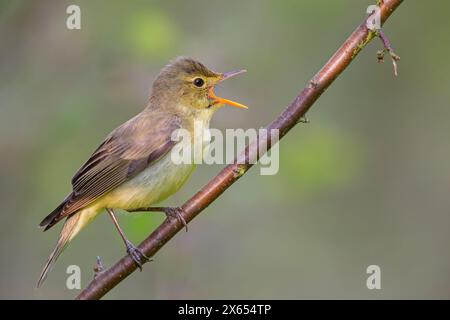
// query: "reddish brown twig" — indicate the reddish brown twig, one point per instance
point(211, 191)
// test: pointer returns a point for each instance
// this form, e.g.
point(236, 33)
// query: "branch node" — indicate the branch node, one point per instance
point(313, 84)
point(238, 171)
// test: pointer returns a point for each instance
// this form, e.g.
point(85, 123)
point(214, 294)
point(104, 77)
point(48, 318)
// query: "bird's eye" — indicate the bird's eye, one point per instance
point(198, 82)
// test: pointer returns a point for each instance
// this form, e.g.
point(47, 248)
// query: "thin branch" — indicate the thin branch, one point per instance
point(387, 48)
point(108, 279)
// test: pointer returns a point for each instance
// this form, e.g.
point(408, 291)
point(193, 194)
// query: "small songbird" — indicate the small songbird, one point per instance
point(132, 169)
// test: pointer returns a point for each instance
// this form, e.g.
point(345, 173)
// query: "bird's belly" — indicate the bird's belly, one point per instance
point(154, 184)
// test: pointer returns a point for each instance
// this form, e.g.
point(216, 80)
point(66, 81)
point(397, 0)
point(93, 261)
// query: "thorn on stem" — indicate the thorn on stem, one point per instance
point(98, 268)
point(303, 120)
point(387, 48)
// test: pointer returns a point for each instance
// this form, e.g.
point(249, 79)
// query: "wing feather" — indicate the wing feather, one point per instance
point(127, 151)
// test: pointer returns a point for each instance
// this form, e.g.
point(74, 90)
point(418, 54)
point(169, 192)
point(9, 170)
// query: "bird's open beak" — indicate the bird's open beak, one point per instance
point(217, 99)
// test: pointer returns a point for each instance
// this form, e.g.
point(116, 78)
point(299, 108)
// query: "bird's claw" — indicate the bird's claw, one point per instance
point(137, 255)
point(176, 213)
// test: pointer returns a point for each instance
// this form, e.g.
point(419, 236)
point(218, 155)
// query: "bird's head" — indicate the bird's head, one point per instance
point(187, 83)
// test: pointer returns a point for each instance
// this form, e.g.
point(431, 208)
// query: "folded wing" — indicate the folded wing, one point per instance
point(124, 153)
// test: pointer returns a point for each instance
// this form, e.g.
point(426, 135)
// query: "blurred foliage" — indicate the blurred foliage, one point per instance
point(329, 159)
point(152, 35)
point(366, 182)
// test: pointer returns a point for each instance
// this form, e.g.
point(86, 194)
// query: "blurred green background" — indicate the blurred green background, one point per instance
point(366, 182)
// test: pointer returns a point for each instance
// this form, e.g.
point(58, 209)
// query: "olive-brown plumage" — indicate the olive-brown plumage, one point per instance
point(132, 168)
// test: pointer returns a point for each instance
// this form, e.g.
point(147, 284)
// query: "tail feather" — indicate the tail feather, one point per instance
point(50, 220)
point(69, 230)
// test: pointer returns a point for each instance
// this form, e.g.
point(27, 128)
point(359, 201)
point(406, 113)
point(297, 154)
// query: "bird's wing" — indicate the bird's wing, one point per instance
point(128, 150)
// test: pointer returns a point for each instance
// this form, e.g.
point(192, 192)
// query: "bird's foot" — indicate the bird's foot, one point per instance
point(136, 254)
point(176, 213)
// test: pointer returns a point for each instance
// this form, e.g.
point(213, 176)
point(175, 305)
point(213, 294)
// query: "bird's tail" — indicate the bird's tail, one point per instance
point(70, 229)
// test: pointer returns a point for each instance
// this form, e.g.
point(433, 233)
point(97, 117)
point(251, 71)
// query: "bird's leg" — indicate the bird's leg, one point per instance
point(135, 253)
point(171, 213)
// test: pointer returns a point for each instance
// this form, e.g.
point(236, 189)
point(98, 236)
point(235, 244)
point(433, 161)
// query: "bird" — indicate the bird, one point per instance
point(132, 168)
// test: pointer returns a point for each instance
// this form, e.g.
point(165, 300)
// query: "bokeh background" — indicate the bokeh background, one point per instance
point(366, 182)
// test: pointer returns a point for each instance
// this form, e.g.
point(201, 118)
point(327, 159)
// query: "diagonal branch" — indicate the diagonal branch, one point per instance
point(108, 279)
